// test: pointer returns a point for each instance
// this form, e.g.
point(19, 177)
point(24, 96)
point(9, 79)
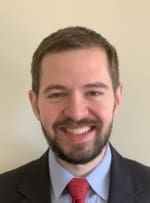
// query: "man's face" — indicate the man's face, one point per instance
point(76, 103)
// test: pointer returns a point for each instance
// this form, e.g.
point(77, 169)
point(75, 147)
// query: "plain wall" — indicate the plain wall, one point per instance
point(24, 23)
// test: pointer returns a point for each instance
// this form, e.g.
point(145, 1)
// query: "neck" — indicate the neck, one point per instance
point(82, 170)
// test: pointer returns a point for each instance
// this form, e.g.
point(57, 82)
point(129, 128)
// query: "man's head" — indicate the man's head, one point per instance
point(75, 92)
point(72, 38)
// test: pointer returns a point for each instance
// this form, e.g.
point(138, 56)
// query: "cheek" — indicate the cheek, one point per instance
point(44, 111)
point(49, 113)
point(104, 112)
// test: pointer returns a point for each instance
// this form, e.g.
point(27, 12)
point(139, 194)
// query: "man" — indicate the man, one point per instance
point(75, 94)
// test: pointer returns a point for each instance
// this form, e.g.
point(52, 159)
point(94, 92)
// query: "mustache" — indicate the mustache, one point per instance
point(69, 122)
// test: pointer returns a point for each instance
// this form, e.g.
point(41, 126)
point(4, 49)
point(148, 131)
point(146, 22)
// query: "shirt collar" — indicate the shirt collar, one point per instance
point(98, 179)
point(60, 177)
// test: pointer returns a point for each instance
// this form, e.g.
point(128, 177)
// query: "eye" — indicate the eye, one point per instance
point(94, 93)
point(56, 96)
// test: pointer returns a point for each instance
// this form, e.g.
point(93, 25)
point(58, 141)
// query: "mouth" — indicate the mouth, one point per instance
point(78, 134)
point(78, 130)
point(81, 127)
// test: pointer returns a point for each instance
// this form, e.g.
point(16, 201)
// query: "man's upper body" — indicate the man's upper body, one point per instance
point(31, 183)
point(75, 95)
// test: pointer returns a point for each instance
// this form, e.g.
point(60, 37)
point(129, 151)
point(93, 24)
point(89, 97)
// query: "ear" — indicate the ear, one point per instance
point(34, 103)
point(118, 97)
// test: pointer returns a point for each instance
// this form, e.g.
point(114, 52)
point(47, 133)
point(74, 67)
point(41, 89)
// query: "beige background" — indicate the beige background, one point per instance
point(23, 23)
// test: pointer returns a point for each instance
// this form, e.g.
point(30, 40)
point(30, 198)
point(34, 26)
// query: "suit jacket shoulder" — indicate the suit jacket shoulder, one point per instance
point(31, 180)
point(139, 170)
point(130, 180)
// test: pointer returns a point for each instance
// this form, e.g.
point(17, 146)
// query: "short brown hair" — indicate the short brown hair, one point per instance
point(73, 38)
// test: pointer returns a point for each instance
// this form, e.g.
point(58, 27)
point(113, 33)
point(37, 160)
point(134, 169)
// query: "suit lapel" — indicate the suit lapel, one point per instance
point(35, 185)
point(123, 187)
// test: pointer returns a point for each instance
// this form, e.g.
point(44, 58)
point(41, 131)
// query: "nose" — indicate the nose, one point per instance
point(76, 107)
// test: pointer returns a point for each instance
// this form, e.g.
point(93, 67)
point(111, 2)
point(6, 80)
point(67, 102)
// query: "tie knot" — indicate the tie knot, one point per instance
point(78, 188)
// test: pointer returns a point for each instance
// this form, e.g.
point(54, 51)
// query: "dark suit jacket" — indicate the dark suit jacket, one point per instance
point(130, 182)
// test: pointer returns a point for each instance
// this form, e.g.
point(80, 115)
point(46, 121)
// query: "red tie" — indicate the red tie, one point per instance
point(78, 188)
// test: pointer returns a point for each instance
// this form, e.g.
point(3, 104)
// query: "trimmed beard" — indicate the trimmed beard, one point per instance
point(78, 154)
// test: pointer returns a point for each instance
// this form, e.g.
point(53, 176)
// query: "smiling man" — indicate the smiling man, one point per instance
point(75, 94)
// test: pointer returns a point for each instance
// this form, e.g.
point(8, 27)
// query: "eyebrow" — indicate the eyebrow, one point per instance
point(96, 85)
point(52, 87)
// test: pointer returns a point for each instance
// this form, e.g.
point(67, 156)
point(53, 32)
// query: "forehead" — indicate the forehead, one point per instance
point(78, 65)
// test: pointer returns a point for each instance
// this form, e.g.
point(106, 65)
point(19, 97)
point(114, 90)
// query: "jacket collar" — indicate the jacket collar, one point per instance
point(35, 184)
point(124, 185)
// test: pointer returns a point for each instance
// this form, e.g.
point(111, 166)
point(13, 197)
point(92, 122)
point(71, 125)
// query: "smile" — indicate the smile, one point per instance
point(78, 131)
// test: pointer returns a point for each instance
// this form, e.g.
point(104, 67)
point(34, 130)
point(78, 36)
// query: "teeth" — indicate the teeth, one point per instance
point(78, 131)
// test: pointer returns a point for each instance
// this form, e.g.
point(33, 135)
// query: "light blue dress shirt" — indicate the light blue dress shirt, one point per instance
point(99, 180)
